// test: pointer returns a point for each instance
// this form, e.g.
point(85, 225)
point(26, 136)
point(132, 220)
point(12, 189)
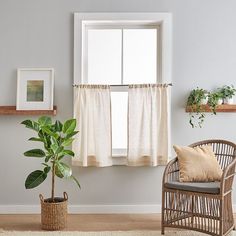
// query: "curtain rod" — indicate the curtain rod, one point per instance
point(121, 85)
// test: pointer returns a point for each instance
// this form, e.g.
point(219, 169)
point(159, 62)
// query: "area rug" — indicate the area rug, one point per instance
point(104, 233)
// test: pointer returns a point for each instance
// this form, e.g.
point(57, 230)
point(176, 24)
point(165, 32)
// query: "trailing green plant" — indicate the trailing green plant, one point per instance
point(213, 99)
point(227, 91)
point(55, 138)
point(196, 115)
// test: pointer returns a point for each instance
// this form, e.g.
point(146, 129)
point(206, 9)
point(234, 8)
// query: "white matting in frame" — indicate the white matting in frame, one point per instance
point(35, 88)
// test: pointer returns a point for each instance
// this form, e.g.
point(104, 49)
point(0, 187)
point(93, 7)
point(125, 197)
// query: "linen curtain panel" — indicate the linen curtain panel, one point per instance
point(148, 125)
point(92, 110)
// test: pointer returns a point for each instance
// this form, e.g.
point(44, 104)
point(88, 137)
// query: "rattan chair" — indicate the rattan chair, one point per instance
point(203, 207)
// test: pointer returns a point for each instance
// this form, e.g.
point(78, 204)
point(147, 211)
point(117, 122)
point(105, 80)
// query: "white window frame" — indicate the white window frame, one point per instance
point(161, 21)
point(120, 26)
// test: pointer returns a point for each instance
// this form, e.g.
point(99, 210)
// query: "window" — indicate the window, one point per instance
point(121, 56)
point(118, 49)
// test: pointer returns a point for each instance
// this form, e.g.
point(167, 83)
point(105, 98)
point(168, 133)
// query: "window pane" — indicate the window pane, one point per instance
point(104, 56)
point(119, 102)
point(140, 55)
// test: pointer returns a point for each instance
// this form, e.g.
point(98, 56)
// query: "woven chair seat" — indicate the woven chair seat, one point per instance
point(201, 187)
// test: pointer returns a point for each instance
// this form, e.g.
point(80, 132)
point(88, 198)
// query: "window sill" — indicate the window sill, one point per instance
point(119, 160)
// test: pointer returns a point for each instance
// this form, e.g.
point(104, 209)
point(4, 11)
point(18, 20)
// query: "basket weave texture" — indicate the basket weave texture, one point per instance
point(54, 214)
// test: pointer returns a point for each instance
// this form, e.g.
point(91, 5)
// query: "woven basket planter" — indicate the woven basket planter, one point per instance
point(54, 214)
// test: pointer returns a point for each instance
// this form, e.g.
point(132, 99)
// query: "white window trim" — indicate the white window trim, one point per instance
point(162, 20)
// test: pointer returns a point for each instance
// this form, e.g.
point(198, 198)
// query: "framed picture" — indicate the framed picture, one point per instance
point(35, 89)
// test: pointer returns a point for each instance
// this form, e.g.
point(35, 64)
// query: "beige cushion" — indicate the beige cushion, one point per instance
point(197, 164)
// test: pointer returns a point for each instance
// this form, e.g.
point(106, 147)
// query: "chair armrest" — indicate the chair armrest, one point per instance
point(228, 177)
point(171, 171)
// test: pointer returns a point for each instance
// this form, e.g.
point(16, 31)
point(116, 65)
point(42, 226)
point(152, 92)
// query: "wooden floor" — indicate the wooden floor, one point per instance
point(86, 222)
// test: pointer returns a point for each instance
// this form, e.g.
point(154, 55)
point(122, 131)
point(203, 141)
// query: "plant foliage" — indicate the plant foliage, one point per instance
point(196, 116)
point(55, 138)
point(227, 91)
point(213, 99)
point(195, 98)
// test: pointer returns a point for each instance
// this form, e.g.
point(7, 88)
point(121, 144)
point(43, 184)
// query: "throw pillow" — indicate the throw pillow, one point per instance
point(198, 164)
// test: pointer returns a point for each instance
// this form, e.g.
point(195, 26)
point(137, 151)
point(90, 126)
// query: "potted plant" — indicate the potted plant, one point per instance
point(215, 99)
point(196, 98)
point(55, 138)
point(228, 92)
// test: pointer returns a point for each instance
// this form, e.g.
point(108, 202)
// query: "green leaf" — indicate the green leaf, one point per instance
point(44, 164)
point(35, 179)
point(59, 150)
point(71, 134)
point(47, 169)
point(67, 142)
point(41, 134)
point(68, 152)
point(47, 158)
point(31, 124)
point(60, 157)
point(76, 181)
point(54, 140)
point(28, 123)
point(58, 173)
point(45, 120)
point(49, 132)
point(35, 153)
point(58, 126)
point(69, 126)
point(54, 147)
point(63, 170)
point(47, 142)
point(35, 139)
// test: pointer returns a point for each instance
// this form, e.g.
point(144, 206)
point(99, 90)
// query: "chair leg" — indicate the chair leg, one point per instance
point(162, 230)
point(162, 212)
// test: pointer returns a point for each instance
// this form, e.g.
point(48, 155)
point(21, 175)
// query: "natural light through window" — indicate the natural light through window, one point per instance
point(139, 56)
point(119, 122)
point(104, 56)
point(121, 55)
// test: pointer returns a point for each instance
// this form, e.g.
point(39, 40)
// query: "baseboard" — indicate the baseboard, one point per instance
point(85, 209)
point(88, 209)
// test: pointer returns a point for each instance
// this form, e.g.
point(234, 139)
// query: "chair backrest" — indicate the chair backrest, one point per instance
point(225, 151)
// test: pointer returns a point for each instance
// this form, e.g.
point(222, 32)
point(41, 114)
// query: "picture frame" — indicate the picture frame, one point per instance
point(35, 89)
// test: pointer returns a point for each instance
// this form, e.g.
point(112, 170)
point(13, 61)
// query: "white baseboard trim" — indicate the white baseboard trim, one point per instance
point(88, 209)
point(85, 209)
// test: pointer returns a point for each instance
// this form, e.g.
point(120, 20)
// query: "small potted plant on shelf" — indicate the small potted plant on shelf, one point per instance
point(215, 99)
point(228, 92)
point(55, 138)
point(196, 99)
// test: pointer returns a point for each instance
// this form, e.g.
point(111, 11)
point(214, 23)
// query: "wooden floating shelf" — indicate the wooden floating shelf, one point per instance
point(219, 108)
point(11, 110)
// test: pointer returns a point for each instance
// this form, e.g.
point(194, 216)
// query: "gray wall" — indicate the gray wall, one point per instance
point(40, 34)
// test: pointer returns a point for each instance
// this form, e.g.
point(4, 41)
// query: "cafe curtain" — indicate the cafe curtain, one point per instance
point(148, 119)
point(92, 110)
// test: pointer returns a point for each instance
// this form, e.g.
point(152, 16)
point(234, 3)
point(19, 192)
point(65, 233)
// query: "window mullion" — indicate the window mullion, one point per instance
point(122, 56)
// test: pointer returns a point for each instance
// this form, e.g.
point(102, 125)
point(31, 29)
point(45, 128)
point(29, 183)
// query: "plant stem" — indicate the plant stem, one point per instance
point(53, 181)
